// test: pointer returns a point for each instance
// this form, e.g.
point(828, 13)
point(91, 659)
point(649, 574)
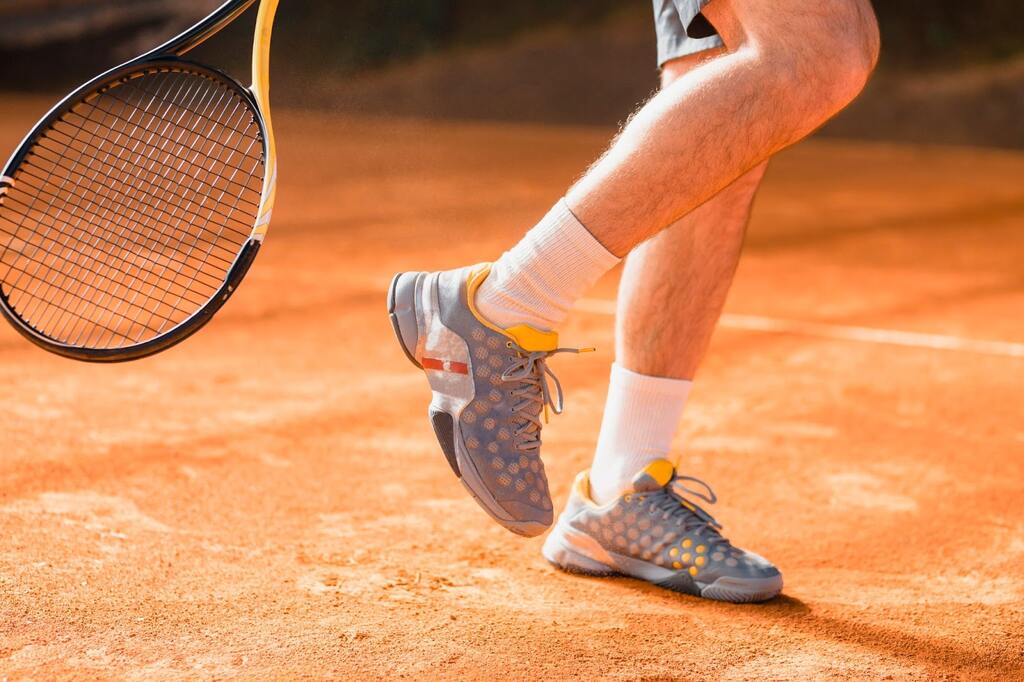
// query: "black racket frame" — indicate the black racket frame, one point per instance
point(167, 56)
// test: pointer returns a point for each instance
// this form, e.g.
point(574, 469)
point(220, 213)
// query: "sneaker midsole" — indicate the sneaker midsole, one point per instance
point(581, 543)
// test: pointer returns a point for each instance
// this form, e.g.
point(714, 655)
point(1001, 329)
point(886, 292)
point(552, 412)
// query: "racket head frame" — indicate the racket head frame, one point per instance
point(237, 270)
point(256, 97)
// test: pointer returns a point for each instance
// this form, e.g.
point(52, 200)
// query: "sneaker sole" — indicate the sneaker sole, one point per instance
point(576, 553)
point(402, 313)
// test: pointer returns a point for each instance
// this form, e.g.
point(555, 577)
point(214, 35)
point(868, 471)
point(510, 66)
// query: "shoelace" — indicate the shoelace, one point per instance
point(676, 503)
point(534, 394)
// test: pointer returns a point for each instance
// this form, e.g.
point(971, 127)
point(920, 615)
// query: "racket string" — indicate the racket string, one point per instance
point(159, 137)
point(207, 254)
point(219, 121)
point(121, 282)
point(45, 319)
point(94, 215)
point(120, 216)
point(225, 163)
point(129, 215)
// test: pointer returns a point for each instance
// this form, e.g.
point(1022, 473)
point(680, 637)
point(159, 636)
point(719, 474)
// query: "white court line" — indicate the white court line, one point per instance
point(823, 330)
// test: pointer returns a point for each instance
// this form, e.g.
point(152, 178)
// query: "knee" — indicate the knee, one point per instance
point(834, 55)
point(858, 48)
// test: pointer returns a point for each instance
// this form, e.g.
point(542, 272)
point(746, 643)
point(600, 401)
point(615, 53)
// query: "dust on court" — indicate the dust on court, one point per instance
point(267, 500)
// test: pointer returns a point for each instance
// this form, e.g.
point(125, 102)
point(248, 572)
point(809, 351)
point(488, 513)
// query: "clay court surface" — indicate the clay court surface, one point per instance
point(267, 500)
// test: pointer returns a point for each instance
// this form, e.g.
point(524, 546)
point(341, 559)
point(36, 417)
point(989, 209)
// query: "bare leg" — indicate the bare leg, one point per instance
point(675, 284)
point(688, 146)
point(671, 295)
point(793, 65)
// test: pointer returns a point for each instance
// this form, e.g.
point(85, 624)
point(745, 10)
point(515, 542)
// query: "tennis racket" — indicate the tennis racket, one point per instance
point(134, 208)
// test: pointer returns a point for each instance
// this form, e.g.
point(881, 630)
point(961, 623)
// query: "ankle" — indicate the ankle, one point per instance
point(540, 278)
point(640, 419)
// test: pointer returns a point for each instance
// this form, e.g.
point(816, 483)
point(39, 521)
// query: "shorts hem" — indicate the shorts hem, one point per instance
point(684, 47)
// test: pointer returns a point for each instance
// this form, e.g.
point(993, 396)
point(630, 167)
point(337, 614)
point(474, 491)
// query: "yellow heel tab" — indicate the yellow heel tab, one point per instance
point(533, 340)
point(581, 486)
point(475, 278)
point(529, 339)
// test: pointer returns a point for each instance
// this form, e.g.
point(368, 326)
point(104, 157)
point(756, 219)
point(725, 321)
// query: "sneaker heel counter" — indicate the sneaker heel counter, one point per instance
point(402, 312)
point(579, 497)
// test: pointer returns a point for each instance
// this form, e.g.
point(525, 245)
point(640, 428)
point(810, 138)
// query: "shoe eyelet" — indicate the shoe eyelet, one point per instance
point(627, 498)
point(508, 344)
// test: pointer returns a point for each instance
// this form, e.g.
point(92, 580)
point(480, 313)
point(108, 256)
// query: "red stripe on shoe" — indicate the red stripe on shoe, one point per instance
point(445, 365)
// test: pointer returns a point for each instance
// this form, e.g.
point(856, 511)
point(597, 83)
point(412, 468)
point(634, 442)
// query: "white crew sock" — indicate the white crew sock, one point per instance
point(539, 279)
point(640, 418)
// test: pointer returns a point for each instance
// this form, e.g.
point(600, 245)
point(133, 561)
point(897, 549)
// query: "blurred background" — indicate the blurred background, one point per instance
point(952, 71)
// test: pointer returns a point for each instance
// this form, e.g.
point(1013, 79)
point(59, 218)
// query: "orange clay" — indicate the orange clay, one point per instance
point(267, 500)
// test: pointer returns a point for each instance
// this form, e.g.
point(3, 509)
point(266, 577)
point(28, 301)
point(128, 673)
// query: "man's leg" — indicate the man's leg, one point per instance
point(632, 513)
point(791, 66)
point(671, 295)
point(482, 334)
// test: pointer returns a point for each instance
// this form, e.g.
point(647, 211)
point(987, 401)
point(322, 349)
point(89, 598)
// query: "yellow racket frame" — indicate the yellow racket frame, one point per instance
point(261, 91)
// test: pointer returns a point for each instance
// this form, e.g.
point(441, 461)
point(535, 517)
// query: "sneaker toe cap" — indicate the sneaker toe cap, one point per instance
point(746, 566)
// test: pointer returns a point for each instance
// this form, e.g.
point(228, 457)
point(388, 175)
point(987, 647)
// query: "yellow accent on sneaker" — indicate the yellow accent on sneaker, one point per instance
point(661, 470)
point(582, 486)
point(533, 340)
point(528, 338)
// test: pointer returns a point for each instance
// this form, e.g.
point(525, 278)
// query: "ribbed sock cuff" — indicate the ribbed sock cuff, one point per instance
point(641, 417)
point(539, 279)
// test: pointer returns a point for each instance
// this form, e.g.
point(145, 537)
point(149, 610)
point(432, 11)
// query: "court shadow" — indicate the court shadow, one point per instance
point(782, 605)
point(791, 612)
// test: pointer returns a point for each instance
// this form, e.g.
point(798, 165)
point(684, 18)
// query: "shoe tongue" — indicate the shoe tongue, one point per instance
point(654, 476)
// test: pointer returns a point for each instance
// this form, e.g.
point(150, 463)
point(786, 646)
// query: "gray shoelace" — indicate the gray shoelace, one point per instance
point(530, 372)
point(677, 503)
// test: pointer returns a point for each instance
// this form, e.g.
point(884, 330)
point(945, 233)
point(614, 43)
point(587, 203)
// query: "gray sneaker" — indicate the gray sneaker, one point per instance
point(490, 388)
point(655, 533)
